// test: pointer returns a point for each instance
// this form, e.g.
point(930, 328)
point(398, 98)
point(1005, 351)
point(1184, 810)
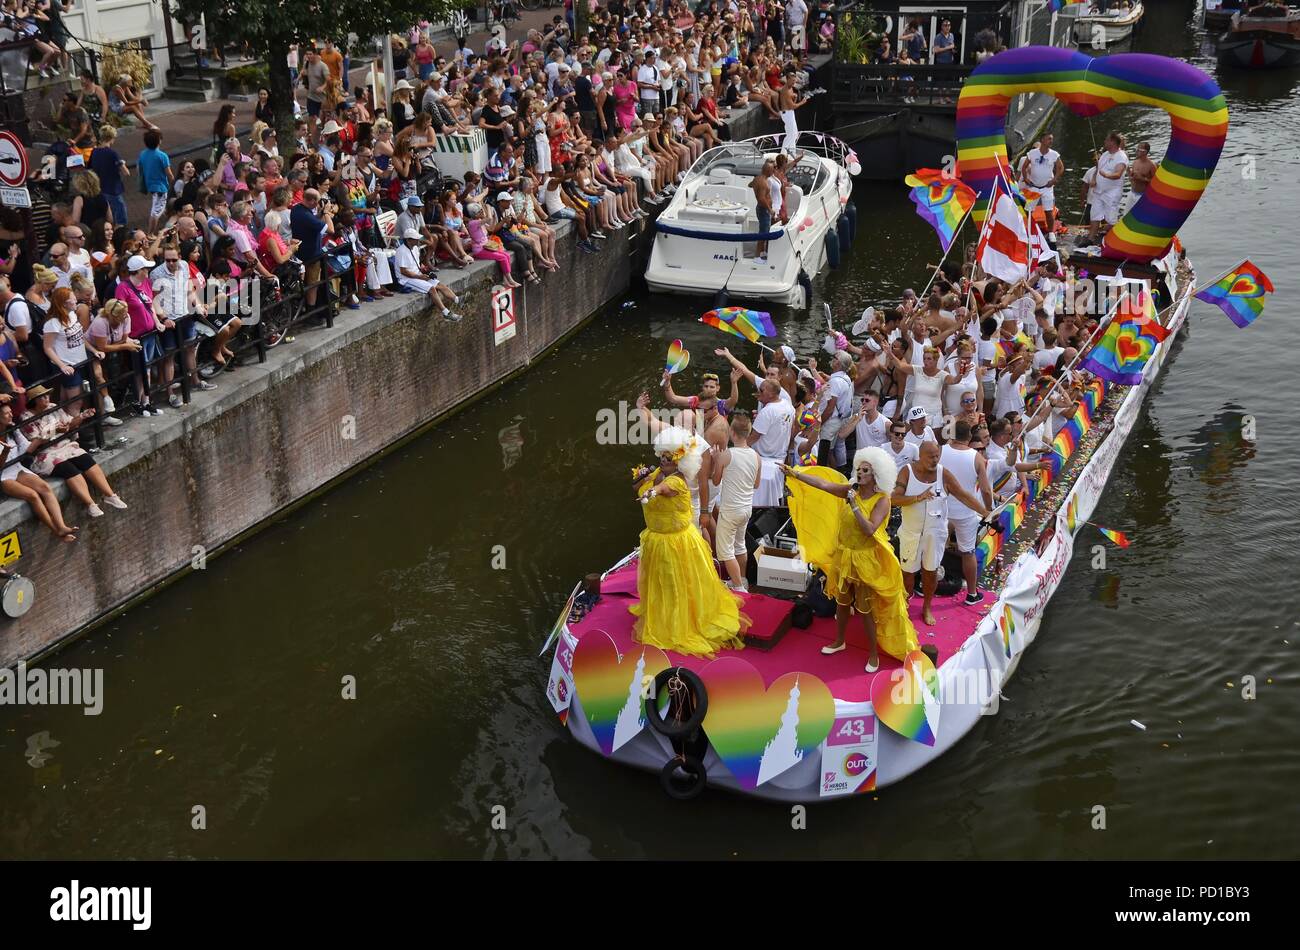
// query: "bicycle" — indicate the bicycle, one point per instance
point(283, 302)
point(531, 5)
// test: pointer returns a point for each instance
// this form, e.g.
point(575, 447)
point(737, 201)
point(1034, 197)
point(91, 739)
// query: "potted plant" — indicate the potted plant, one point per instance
point(246, 80)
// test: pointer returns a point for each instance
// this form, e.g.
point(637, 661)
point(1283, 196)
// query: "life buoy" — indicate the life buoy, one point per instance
point(688, 701)
point(670, 777)
point(842, 229)
point(832, 249)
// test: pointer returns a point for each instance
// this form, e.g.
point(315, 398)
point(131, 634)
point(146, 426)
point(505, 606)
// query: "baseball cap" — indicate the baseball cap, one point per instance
point(917, 412)
point(415, 201)
point(138, 262)
point(788, 353)
point(506, 196)
point(410, 234)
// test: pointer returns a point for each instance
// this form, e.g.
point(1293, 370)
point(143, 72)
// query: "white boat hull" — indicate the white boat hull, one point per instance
point(1101, 31)
point(694, 251)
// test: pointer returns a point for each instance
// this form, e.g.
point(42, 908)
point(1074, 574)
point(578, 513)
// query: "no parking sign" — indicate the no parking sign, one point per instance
point(503, 314)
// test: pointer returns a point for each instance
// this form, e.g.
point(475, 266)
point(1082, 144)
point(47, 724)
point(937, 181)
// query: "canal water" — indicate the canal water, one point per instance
point(225, 690)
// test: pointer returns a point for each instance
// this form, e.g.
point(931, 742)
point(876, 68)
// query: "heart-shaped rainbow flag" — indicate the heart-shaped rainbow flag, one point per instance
point(609, 675)
point(678, 358)
point(907, 699)
point(760, 733)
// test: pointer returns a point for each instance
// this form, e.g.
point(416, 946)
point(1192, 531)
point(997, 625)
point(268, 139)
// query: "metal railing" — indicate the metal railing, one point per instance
point(853, 85)
point(282, 312)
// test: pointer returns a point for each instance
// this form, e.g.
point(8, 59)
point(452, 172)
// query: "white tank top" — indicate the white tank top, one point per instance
point(927, 394)
point(551, 200)
point(967, 384)
point(736, 490)
point(961, 462)
point(931, 513)
point(774, 186)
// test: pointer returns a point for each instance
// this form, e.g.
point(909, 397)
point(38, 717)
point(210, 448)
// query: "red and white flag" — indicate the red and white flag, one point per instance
point(1004, 246)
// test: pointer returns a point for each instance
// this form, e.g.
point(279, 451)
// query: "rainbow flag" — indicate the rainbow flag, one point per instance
point(1056, 6)
point(1118, 537)
point(747, 324)
point(942, 201)
point(988, 549)
point(1130, 339)
point(1240, 294)
point(1008, 626)
point(1072, 514)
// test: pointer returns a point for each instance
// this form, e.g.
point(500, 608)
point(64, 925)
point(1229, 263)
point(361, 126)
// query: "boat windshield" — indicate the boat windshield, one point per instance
point(744, 160)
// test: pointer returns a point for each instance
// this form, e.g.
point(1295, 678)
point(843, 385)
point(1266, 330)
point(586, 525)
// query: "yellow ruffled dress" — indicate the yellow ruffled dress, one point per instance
point(684, 605)
point(861, 569)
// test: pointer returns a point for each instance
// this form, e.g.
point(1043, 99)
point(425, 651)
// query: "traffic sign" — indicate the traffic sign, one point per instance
point(13, 160)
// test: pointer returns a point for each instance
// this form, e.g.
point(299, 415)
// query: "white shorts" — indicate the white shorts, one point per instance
point(965, 530)
point(729, 537)
point(157, 204)
point(1105, 207)
point(922, 550)
point(418, 285)
point(1046, 197)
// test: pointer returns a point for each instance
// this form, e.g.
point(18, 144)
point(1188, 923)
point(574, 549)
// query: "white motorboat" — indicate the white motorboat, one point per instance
point(708, 235)
point(1101, 29)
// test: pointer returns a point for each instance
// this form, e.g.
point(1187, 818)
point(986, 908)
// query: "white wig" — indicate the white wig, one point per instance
point(672, 438)
point(884, 467)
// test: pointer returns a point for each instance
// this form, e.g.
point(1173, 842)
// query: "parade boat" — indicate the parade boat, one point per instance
point(707, 240)
point(779, 719)
point(1216, 15)
point(1266, 36)
point(1108, 27)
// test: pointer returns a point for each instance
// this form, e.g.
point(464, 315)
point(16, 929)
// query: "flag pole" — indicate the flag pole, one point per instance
point(988, 215)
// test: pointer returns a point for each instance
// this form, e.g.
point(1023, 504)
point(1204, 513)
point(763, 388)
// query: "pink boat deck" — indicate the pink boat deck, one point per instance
point(800, 650)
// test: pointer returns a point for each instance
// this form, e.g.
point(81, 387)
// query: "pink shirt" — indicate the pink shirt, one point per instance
point(142, 318)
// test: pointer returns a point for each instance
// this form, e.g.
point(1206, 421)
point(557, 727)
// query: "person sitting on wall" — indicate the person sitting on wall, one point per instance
point(412, 275)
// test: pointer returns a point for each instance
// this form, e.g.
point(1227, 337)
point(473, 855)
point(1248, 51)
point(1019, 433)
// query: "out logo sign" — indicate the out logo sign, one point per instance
point(855, 763)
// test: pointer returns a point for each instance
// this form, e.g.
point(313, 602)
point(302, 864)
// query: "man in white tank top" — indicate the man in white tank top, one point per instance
point(968, 467)
point(736, 471)
point(922, 492)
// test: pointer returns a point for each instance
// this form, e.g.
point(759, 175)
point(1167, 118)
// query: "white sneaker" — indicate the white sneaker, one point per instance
point(112, 421)
point(114, 502)
point(109, 406)
point(174, 400)
point(96, 511)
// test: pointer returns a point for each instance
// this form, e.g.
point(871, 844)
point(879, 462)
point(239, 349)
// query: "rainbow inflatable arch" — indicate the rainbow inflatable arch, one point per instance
point(1089, 87)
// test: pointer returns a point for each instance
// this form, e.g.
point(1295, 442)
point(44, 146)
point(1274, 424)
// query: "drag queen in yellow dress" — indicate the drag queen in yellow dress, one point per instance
point(850, 543)
point(684, 605)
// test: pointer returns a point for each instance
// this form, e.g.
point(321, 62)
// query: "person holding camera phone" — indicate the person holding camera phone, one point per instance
point(309, 222)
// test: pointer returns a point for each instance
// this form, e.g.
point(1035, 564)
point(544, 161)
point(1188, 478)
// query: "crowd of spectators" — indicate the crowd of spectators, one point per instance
point(120, 314)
